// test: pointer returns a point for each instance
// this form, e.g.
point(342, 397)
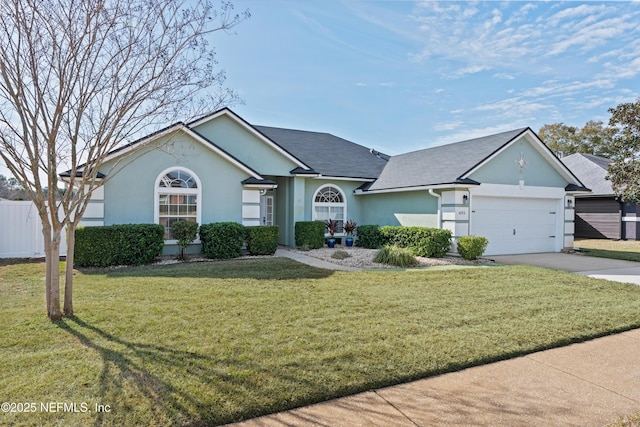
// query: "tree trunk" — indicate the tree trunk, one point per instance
point(46, 233)
point(68, 280)
point(54, 277)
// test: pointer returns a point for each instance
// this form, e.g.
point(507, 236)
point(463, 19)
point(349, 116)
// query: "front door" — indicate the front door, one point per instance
point(266, 209)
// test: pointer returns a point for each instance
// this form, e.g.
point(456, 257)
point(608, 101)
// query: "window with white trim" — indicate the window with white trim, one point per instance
point(177, 198)
point(329, 202)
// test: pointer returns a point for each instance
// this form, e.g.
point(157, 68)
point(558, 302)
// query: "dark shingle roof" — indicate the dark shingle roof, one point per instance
point(591, 171)
point(445, 164)
point(327, 154)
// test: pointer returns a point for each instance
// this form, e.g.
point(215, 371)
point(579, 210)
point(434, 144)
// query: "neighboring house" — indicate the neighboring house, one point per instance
point(508, 187)
point(600, 214)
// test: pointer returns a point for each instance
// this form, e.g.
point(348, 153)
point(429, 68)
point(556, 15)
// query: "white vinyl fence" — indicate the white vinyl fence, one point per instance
point(21, 231)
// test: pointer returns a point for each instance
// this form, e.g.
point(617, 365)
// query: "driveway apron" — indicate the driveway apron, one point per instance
point(600, 268)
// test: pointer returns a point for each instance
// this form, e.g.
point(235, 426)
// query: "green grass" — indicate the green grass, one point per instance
point(215, 342)
point(628, 250)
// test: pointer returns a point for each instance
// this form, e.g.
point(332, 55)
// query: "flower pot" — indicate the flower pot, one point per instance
point(349, 241)
point(331, 243)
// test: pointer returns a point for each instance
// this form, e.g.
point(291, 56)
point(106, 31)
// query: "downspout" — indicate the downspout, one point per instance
point(439, 197)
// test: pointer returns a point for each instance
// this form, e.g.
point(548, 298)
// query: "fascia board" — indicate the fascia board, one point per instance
point(340, 178)
point(417, 188)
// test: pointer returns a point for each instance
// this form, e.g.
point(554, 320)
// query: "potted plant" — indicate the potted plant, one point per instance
point(350, 228)
point(333, 226)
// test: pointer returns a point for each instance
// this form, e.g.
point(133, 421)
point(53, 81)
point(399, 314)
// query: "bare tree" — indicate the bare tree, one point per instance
point(79, 78)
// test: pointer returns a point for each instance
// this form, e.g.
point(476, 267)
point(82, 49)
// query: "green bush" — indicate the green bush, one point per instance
point(396, 256)
point(262, 240)
point(222, 240)
point(422, 241)
point(369, 236)
point(340, 254)
point(472, 247)
point(310, 234)
point(185, 232)
point(128, 244)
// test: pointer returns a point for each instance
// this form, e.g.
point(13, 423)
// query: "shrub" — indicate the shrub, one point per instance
point(472, 247)
point(394, 255)
point(185, 232)
point(310, 233)
point(369, 236)
point(262, 240)
point(128, 244)
point(222, 240)
point(340, 254)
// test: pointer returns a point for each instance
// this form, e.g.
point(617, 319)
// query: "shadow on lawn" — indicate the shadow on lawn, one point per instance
point(136, 375)
point(260, 269)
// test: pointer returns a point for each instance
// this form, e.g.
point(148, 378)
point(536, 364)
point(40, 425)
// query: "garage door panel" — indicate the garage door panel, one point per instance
point(515, 225)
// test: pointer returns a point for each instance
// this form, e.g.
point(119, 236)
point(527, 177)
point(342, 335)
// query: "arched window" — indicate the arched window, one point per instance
point(329, 202)
point(177, 198)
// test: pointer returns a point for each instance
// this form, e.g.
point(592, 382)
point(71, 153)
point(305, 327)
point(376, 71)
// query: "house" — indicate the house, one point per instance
point(508, 187)
point(600, 214)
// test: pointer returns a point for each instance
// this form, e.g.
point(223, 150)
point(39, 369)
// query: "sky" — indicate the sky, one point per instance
point(403, 75)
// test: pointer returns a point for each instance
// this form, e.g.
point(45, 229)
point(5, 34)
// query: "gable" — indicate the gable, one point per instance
point(247, 145)
point(518, 161)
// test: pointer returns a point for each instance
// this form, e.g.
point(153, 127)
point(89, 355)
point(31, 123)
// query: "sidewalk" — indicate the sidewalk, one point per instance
point(586, 384)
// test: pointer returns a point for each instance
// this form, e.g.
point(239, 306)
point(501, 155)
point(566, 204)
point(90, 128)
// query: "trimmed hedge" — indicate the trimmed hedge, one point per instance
point(127, 244)
point(369, 236)
point(262, 240)
point(422, 241)
point(310, 234)
point(472, 247)
point(222, 240)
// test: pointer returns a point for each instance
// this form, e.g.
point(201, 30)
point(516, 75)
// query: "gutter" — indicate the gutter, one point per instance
point(439, 197)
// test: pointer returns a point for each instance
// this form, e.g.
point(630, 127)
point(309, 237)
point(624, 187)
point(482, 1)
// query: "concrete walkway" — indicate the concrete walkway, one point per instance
point(309, 260)
point(593, 383)
point(586, 384)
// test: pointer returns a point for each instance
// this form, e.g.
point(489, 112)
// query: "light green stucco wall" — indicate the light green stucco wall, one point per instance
point(406, 208)
point(502, 170)
point(129, 193)
point(246, 147)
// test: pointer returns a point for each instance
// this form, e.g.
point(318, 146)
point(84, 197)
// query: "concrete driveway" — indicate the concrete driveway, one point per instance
point(600, 268)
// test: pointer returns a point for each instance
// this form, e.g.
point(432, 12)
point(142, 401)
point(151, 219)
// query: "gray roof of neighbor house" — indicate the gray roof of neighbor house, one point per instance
point(327, 154)
point(591, 170)
point(446, 164)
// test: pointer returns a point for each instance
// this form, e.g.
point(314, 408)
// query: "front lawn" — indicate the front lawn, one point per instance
point(210, 343)
point(628, 250)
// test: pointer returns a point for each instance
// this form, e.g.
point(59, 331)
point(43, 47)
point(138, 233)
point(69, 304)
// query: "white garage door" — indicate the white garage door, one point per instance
point(515, 225)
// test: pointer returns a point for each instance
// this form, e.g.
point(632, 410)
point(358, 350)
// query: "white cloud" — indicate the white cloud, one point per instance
point(449, 126)
point(573, 12)
point(592, 36)
point(504, 76)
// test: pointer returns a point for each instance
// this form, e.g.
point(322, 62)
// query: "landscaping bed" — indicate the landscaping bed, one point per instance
point(363, 258)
